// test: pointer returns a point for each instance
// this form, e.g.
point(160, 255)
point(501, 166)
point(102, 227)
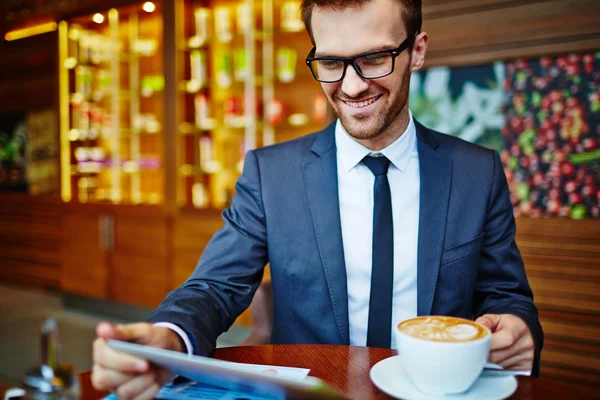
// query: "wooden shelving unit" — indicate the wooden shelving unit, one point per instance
point(111, 106)
point(237, 50)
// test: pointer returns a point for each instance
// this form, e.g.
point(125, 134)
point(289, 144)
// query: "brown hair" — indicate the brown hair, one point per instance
point(411, 14)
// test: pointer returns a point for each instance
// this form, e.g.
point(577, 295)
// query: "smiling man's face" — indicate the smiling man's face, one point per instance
point(373, 111)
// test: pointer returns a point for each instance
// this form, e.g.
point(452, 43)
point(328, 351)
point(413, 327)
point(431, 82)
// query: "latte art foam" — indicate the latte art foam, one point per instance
point(442, 329)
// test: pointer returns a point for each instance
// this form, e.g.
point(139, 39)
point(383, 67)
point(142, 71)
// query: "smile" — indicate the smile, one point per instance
point(363, 103)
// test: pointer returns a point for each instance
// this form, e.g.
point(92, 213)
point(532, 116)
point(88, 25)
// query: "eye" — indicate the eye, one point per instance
point(330, 64)
point(374, 59)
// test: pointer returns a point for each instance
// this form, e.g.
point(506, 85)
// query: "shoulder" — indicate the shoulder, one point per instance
point(295, 149)
point(455, 148)
point(301, 143)
point(472, 164)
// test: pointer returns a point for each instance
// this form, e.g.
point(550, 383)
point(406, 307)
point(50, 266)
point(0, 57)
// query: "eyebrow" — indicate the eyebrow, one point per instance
point(378, 48)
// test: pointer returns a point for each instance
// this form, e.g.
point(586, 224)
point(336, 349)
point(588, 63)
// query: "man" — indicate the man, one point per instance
point(353, 250)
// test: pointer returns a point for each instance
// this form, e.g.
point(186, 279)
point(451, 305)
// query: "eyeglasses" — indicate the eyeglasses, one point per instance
point(371, 65)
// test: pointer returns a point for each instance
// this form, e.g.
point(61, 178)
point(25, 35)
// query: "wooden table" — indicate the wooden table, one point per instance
point(346, 368)
point(3, 388)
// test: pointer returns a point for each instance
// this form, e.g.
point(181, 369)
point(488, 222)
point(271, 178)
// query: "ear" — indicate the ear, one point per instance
point(418, 51)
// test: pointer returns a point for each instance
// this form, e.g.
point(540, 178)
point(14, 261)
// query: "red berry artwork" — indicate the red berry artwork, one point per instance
point(542, 116)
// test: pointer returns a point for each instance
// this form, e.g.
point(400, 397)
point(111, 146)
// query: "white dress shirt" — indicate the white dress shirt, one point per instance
point(186, 340)
point(355, 188)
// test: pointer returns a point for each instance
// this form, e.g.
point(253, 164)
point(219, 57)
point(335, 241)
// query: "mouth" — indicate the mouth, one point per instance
point(361, 103)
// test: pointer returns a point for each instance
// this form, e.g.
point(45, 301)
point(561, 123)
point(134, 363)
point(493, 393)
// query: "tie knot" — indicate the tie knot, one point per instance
point(377, 165)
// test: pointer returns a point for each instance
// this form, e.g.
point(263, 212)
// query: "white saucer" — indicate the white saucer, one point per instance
point(391, 379)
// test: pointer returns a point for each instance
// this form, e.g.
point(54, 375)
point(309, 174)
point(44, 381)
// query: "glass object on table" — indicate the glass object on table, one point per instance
point(51, 380)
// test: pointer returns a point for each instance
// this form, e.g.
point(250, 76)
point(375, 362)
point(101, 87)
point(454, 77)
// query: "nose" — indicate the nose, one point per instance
point(353, 84)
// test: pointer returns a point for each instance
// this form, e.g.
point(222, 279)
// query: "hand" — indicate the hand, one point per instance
point(127, 376)
point(512, 344)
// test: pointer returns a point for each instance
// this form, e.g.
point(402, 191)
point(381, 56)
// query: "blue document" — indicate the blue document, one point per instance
point(198, 391)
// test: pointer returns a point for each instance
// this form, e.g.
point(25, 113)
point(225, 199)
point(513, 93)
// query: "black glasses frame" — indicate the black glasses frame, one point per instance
point(352, 60)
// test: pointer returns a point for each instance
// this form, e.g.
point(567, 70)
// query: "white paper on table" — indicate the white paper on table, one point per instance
point(491, 369)
point(282, 372)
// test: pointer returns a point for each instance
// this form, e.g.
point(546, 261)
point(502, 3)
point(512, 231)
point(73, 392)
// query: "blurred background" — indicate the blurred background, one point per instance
point(124, 124)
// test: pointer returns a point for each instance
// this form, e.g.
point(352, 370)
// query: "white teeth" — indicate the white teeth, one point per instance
point(359, 104)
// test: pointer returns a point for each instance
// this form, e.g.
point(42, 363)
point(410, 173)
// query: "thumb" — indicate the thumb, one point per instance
point(106, 330)
point(137, 333)
point(489, 320)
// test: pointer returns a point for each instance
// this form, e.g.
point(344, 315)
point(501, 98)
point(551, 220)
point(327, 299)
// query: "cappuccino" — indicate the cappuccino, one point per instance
point(442, 355)
point(443, 329)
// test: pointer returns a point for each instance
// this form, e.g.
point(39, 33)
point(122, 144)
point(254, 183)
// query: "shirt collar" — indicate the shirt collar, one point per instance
point(351, 153)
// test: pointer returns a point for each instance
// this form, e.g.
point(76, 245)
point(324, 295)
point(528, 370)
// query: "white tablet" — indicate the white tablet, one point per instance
point(232, 376)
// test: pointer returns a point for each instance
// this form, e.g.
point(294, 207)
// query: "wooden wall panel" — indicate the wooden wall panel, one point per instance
point(29, 240)
point(470, 32)
point(139, 263)
point(83, 261)
point(562, 259)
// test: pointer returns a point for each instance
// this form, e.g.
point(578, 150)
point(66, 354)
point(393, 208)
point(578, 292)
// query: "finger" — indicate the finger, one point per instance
point(136, 386)
point(490, 321)
point(149, 393)
point(106, 379)
point(109, 358)
point(163, 375)
point(140, 332)
point(523, 345)
point(503, 339)
point(519, 362)
point(107, 330)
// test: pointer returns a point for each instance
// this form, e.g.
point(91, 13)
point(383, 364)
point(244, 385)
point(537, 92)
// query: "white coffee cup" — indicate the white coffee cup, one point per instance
point(438, 362)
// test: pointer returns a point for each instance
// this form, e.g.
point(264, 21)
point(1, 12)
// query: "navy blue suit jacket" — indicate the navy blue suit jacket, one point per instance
point(286, 213)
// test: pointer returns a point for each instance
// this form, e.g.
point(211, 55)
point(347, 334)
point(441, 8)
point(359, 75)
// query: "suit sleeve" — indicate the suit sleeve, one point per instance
point(229, 271)
point(502, 286)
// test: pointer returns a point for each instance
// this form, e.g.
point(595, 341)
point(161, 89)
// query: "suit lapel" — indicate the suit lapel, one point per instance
point(436, 179)
point(320, 179)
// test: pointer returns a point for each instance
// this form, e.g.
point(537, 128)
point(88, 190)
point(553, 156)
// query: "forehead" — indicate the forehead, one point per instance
point(352, 30)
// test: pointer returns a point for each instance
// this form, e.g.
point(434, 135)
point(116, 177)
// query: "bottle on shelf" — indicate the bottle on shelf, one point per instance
point(201, 25)
point(286, 64)
point(223, 28)
point(291, 16)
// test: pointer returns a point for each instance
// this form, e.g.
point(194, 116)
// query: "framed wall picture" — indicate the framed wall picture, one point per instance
point(542, 116)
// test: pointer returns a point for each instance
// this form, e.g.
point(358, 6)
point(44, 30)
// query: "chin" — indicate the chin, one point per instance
point(362, 129)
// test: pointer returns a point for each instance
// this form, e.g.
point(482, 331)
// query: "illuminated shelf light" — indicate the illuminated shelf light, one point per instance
point(149, 7)
point(30, 31)
point(98, 18)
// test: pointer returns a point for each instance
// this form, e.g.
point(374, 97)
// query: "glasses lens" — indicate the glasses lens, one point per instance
point(376, 64)
point(328, 70)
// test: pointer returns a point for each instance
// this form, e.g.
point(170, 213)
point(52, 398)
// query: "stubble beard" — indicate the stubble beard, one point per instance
point(359, 127)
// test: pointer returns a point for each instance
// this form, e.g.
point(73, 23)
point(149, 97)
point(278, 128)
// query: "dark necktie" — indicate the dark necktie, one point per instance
point(382, 271)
